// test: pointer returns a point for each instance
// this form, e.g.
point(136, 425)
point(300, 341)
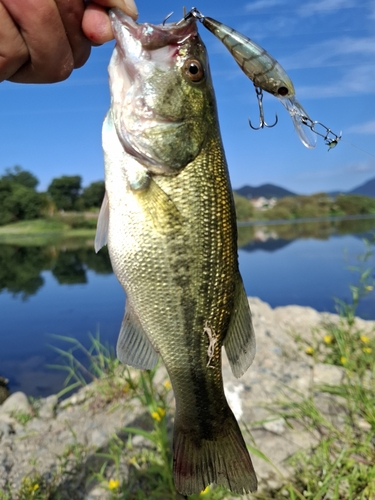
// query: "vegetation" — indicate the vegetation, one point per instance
point(320, 205)
point(21, 201)
point(244, 209)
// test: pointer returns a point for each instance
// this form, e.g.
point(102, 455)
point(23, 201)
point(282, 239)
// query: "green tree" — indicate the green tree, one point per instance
point(244, 209)
point(353, 204)
point(20, 176)
point(92, 195)
point(65, 191)
point(19, 202)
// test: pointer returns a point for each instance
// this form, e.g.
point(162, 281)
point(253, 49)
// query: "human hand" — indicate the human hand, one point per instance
point(42, 41)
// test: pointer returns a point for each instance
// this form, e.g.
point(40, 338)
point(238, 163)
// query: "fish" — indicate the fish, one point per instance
point(265, 72)
point(169, 221)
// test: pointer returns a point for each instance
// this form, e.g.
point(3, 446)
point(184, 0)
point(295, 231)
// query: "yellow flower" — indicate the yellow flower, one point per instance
point(365, 339)
point(309, 350)
point(205, 491)
point(167, 385)
point(113, 484)
point(367, 350)
point(328, 339)
point(155, 415)
point(369, 288)
point(158, 414)
point(161, 412)
point(343, 360)
point(36, 487)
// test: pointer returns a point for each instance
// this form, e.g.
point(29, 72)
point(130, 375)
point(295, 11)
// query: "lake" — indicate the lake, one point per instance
point(66, 289)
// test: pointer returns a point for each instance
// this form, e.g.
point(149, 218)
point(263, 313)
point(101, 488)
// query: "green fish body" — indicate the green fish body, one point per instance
point(168, 217)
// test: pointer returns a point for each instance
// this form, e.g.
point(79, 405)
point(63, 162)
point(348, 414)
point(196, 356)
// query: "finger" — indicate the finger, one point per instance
point(71, 12)
point(13, 51)
point(51, 58)
point(127, 6)
point(96, 24)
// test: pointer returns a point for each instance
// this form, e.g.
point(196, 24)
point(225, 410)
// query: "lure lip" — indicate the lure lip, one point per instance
point(152, 36)
point(299, 117)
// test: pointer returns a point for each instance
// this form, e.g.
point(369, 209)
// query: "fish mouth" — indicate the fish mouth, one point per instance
point(151, 36)
point(143, 56)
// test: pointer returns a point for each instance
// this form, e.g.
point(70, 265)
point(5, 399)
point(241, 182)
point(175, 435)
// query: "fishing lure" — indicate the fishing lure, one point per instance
point(268, 75)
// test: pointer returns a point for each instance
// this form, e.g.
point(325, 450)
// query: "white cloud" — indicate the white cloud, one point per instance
point(363, 128)
point(262, 4)
point(323, 6)
point(361, 167)
point(330, 53)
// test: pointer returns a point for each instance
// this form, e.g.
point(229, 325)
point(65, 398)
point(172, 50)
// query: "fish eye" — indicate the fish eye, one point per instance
point(194, 70)
point(283, 91)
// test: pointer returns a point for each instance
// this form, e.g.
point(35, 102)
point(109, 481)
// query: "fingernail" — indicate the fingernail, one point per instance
point(131, 9)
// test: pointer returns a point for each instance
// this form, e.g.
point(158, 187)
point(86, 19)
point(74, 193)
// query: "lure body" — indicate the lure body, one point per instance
point(265, 72)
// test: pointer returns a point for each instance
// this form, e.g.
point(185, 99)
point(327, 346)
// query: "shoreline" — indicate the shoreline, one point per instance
point(34, 438)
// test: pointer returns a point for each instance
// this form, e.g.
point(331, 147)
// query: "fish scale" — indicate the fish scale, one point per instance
point(172, 239)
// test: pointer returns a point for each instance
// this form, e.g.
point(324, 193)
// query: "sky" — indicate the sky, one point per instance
point(327, 48)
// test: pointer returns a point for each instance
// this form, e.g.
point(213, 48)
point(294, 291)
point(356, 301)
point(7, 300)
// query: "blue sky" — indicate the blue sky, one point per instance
point(326, 46)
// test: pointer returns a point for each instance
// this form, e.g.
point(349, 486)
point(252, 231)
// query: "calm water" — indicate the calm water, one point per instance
point(66, 289)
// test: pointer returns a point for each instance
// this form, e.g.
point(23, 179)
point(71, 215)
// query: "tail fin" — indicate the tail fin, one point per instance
point(224, 460)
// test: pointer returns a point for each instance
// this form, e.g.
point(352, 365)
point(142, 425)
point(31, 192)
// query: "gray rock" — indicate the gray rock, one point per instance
point(277, 426)
point(47, 408)
point(16, 403)
point(327, 374)
point(5, 428)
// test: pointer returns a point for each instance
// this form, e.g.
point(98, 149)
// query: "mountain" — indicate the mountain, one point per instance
point(265, 190)
point(366, 189)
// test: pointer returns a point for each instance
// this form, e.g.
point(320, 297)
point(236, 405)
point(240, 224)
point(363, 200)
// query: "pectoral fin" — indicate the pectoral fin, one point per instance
point(101, 236)
point(239, 341)
point(160, 208)
point(133, 345)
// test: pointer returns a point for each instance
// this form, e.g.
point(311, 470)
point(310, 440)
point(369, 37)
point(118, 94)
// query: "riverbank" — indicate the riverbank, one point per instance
point(289, 401)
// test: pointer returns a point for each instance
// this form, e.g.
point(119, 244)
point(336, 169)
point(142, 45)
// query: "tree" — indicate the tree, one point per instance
point(20, 176)
point(19, 202)
point(92, 195)
point(65, 191)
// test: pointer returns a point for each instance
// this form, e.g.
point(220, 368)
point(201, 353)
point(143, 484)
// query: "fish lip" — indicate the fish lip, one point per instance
point(152, 36)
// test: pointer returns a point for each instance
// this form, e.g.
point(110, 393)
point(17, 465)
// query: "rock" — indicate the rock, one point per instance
point(276, 426)
point(5, 429)
point(47, 408)
point(16, 403)
point(327, 374)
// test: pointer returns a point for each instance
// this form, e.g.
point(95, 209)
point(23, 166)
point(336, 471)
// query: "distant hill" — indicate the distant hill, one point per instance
point(366, 189)
point(265, 190)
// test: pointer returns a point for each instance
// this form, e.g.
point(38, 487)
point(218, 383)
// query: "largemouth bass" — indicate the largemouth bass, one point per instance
point(168, 217)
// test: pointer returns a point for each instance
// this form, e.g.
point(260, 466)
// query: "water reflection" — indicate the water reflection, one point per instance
point(275, 237)
point(21, 267)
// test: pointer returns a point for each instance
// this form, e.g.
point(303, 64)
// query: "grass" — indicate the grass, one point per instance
point(48, 229)
point(340, 466)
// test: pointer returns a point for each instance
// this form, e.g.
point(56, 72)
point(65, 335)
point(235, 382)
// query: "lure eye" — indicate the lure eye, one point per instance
point(283, 91)
point(194, 70)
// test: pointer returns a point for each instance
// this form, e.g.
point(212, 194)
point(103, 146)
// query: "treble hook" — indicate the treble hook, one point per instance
point(331, 142)
point(262, 122)
point(167, 17)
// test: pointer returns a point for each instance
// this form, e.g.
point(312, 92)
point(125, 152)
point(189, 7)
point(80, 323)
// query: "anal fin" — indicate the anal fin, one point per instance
point(239, 341)
point(133, 346)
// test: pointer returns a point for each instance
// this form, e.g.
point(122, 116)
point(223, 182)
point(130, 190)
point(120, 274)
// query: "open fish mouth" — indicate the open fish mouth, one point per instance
point(150, 36)
point(145, 80)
